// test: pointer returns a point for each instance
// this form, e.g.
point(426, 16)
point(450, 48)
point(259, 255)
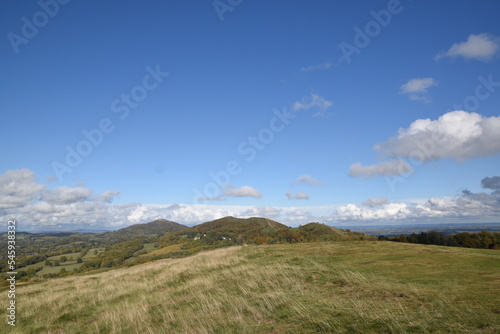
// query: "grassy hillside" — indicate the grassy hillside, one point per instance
point(318, 230)
point(248, 226)
point(344, 287)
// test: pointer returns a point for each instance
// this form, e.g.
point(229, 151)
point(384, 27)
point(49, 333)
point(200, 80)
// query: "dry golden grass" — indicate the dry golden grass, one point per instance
point(345, 287)
point(164, 250)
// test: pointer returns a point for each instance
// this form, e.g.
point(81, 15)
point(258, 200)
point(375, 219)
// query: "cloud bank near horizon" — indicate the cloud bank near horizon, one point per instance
point(36, 207)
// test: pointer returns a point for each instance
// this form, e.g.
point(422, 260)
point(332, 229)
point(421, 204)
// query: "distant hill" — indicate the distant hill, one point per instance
point(320, 232)
point(230, 231)
point(240, 226)
point(150, 230)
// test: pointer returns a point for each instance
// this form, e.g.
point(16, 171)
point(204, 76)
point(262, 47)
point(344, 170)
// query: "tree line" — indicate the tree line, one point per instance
point(483, 239)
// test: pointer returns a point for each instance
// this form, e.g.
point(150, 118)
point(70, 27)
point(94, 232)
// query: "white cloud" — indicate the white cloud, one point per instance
point(388, 211)
point(70, 210)
point(323, 66)
point(481, 47)
point(109, 195)
point(307, 179)
point(419, 85)
point(384, 168)
point(375, 201)
point(298, 195)
point(298, 217)
point(33, 204)
point(260, 211)
point(18, 188)
point(316, 101)
point(417, 88)
point(66, 195)
point(463, 208)
point(458, 135)
point(245, 191)
point(231, 191)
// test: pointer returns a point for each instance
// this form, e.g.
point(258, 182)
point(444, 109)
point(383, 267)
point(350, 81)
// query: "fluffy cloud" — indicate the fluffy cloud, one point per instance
point(481, 47)
point(66, 195)
point(231, 191)
point(66, 208)
point(260, 211)
point(415, 88)
point(298, 217)
point(467, 207)
point(384, 168)
point(315, 101)
point(458, 135)
point(299, 195)
point(109, 195)
point(33, 204)
point(307, 179)
point(18, 187)
point(492, 183)
point(388, 211)
point(374, 201)
point(245, 191)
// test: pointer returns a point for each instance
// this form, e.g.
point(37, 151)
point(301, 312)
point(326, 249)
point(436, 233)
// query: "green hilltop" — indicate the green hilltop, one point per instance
point(230, 231)
point(150, 230)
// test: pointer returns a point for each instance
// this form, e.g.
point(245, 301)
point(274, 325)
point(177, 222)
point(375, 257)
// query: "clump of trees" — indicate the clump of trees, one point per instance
point(483, 239)
point(114, 255)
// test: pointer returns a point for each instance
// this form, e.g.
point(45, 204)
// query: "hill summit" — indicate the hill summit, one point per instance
point(241, 225)
point(229, 231)
point(151, 230)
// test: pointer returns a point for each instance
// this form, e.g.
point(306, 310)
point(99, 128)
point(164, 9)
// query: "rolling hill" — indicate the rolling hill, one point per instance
point(151, 230)
point(240, 226)
point(319, 230)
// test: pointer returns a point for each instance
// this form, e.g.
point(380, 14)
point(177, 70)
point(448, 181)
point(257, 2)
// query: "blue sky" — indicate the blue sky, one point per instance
point(344, 112)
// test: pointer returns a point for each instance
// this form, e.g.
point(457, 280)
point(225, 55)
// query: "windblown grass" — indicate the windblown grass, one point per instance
point(345, 287)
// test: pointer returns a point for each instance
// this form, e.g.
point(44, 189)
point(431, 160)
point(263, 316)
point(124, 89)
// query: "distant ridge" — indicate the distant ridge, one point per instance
point(322, 229)
point(240, 226)
point(156, 226)
point(152, 229)
point(230, 230)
